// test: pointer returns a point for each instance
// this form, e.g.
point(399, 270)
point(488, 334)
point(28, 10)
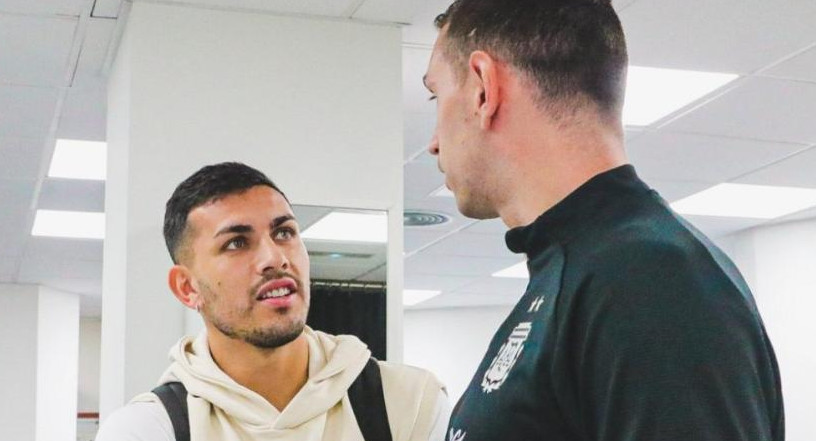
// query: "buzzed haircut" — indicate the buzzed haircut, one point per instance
point(572, 50)
point(208, 184)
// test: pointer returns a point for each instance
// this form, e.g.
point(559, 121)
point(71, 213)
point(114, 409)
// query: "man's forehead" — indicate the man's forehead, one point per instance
point(257, 204)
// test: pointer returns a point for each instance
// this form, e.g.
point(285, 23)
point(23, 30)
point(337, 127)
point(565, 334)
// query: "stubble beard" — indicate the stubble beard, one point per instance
point(277, 334)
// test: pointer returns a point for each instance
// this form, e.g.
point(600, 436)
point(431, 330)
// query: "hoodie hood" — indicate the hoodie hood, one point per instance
point(334, 364)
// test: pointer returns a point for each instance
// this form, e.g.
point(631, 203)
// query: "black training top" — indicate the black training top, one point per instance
point(634, 327)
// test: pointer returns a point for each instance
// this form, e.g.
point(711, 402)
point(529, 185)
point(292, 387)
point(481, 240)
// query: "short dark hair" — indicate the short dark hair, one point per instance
point(208, 184)
point(571, 49)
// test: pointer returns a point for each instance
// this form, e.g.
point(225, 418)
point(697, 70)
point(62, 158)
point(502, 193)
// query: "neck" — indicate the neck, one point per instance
point(275, 374)
point(554, 164)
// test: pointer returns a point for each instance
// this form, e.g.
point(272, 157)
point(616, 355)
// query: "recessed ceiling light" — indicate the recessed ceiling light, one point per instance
point(344, 226)
point(748, 201)
point(411, 297)
point(653, 93)
point(71, 224)
point(442, 192)
point(517, 271)
point(75, 159)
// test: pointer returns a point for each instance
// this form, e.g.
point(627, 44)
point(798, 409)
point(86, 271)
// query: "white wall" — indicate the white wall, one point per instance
point(451, 342)
point(18, 369)
point(314, 103)
point(779, 263)
point(90, 332)
point(57, 365)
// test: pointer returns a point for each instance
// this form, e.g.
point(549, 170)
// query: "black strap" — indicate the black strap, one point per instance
point(365, 393)
point(368, 401)
point(174, 398)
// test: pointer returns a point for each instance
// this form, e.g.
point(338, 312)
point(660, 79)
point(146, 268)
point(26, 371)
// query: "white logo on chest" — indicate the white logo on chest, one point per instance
point(458, 435)
point(508, 355)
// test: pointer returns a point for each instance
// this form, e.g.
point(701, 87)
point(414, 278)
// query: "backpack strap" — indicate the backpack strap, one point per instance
point(368, 402)
point(173, 396)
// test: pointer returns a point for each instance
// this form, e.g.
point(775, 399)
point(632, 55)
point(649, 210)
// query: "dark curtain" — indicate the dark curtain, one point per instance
point(338, 308)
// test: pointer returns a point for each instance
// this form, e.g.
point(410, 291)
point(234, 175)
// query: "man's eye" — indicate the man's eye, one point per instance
point(432, 98)
point(235, 243)
point(284, 234)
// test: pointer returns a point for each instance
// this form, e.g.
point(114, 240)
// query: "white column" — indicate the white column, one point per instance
point(314, 103)
point(39, 340)
point(779, 263)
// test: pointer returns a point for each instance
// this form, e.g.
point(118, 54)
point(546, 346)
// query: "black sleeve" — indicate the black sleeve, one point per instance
point(661, 345)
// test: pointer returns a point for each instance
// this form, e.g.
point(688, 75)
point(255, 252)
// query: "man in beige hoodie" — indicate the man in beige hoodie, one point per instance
point(258, 372)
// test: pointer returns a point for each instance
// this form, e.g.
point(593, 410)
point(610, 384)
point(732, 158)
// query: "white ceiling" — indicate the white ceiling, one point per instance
point(55, 54)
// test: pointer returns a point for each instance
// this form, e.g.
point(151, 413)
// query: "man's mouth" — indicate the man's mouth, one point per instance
point(277, 288)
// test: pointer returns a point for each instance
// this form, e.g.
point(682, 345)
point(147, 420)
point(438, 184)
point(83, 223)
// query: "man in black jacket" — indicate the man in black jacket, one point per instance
point(634, 326)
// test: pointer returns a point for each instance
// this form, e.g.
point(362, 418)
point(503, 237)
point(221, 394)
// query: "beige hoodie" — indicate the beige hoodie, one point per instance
point(221, 409)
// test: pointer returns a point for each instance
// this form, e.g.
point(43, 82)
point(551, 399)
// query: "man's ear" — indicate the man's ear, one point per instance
point(485, 70)
point(184, 287)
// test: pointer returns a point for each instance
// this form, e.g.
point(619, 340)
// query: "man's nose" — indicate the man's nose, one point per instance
point(271, 256)
point(433, 146)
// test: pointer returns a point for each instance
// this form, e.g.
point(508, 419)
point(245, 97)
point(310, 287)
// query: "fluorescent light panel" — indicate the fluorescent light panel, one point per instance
point(75, 159)
point(411, 297)
point(748, 201)
point(517, 271)
point(343, 226)
point(653, 93)
point(70, 224)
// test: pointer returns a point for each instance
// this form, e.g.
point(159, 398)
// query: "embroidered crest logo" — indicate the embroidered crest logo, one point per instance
point(458, 435)
point(506, 358)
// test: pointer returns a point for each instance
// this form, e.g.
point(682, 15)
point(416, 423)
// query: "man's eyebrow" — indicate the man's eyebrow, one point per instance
point(425, 82)
point(232, 229)
point(282, 220)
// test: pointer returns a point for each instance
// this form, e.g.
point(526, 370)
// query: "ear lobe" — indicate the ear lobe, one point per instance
point(485, 70)
point(183, 287)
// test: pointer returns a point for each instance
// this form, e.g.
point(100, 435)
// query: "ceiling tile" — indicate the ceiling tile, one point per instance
point(416, 238)
point(489, 226)
point(417, 133)
point(476, 245)
point(714, 227)
point(759, 108)
point(15, 197)
point(8, 269)
point(59, 248)
point(40, 270)
point(397, 11)
point(436, 283)
point(422, 178)
point(502, 287)
point(91, 288)
point(675, 190)
point(21, 158)
point(415, 97)
point(796, 171)
point(43, 7)
point(325, 8)
point(308, 214)
point(467, 300)
point(422, 30)
point(35, 50)
point(106, 8)
point(72, 195)
point(427, 264)
point(84, 113)
point(26, 112)
point(687, 157)
point(95, 46)
point(378, 275)
point(802, 67)
point(735, 36)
